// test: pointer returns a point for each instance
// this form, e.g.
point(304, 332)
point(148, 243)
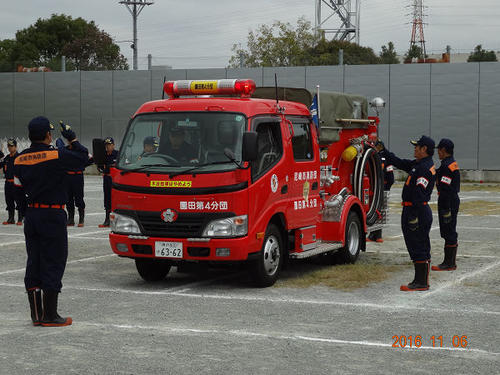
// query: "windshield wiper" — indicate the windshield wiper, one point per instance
point(171, 175)
point(146, 166)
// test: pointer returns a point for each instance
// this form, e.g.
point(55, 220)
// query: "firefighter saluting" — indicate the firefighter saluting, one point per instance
point(416, 218)
point(448, 187)
point(41, 170)
point(111, 155)
point(74, 189)
point(14, 195)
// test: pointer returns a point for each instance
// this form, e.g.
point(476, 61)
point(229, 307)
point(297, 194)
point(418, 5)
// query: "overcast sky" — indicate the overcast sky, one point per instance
point(200, 33)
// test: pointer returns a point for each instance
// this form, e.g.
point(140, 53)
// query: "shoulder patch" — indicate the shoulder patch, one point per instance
point(31, 158)
point(446, 180)
point(453, 166)
point(422, 181)
point(390, 168)
point(433, 170)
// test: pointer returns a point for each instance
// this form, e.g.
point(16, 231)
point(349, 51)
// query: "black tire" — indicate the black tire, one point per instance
point(267, 268)
point(353, 239)
point(152, 269)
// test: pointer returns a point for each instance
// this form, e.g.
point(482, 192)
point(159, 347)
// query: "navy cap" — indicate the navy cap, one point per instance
point(150, 141)
point(425, 141)
point(109, 141)
point(447, 144)
point(176, 130)
point(40, 126)
point(11, 142)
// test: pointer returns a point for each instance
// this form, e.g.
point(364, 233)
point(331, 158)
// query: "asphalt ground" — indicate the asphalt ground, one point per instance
point(215, 321)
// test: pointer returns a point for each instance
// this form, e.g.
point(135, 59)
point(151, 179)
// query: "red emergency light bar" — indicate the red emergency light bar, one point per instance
point(242, 87)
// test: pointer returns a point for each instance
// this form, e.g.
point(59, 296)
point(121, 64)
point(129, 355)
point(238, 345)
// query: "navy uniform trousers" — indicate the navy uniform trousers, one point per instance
point(106, 186)
point(74, 188)
point(47, 247)
point(417, 241)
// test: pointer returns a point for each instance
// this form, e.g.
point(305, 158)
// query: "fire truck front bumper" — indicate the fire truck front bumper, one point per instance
point(179, 249)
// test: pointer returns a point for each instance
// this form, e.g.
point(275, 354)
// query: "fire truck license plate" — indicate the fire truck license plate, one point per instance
point(168, 249)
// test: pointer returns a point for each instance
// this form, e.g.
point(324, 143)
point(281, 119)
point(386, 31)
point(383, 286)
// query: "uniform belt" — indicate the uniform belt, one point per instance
point(74, 172)
point(41, 205)
point(9, 180)
point(107, 174)
point(406, 204)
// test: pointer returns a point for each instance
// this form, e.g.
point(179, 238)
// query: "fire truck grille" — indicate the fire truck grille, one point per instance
point(186, 225)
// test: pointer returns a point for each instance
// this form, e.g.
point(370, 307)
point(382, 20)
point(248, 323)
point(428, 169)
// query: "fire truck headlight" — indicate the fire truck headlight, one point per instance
point(123, 224)
point(230, 227)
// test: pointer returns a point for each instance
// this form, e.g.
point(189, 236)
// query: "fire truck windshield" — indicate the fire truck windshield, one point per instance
point(176, 141)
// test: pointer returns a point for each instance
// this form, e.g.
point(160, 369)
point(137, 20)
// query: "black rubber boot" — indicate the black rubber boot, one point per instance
point(421, 280)
point(10, 220)
point(19, 218)
point(71, 217)
point(449, 262)
point(50, 316)
point(35, 300)
point(106, 220)
point(81, 217)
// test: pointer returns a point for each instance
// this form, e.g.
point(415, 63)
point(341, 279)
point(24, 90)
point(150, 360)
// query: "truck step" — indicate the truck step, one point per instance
point(320, 249)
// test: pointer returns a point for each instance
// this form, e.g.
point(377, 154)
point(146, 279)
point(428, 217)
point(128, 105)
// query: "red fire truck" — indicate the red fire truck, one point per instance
point(222, 172)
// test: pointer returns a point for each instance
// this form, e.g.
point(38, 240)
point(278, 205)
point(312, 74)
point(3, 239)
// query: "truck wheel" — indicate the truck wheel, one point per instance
point(152, 269)
point(266, 269)
point(353, 232)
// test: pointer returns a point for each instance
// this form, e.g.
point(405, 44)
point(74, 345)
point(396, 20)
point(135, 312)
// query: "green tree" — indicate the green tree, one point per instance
point(44, 42)
point(388, 54)
point(414, 52)
point(327, 53)
point(280, 44)
point(480, 54)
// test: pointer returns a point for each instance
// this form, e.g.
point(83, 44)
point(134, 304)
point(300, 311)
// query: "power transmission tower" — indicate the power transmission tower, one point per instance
point(135, 8)
point(417, 30)
point(348, 11)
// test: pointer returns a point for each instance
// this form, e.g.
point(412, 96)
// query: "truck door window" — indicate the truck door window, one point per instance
point(269, 146)
point(302, 141)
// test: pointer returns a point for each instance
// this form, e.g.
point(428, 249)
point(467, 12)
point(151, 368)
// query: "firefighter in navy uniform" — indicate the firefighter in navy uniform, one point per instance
point(14, 195)
point(416, 218)
point(388, 169)
point(111, 155)
point(41, 170)
point(448, 187)
point(74, 187)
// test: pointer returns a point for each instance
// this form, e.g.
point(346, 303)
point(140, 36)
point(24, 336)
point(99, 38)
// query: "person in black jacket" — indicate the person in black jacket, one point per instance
point(416, 218)
point(111, 156)
point(14, 195)
point(41, 170)
point(448, 187)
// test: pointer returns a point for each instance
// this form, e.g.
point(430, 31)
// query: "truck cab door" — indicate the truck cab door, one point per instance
point(304, 174)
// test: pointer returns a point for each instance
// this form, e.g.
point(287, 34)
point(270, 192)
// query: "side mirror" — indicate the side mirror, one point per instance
point(99, 151)
point(249, 152)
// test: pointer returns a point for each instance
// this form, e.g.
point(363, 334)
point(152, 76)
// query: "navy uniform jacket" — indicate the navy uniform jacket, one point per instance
point(388, 173)
point(81, 167)
point(110, 161)
point(420, 182)
point(41, 170)
point(448, 182)
point(7, 165)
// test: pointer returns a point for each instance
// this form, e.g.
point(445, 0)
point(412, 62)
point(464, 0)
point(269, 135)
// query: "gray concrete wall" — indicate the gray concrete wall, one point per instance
point(458, 101)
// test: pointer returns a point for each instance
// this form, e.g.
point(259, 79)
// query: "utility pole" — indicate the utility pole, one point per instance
point(135, 8)
point(348, 11)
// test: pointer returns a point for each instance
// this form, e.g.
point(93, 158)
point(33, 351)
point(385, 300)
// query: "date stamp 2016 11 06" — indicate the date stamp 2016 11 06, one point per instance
point(403, 341)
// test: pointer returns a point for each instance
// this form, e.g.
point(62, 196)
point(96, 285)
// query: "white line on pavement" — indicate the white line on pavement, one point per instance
point(460, 279)
point(458, 255)
point(178, 292)
point(293, 337)
point(69, 262)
